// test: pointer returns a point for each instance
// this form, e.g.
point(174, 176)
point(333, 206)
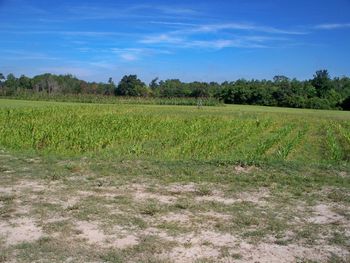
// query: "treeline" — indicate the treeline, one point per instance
point(320, 92)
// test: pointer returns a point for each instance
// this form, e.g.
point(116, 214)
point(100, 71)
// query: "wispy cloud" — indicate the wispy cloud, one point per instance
point(173, 24)
point(223, 43)
point(119, 11)
point(216, 43)
point(102, 64)
point(165, 9)
point(133, 54)
point(215, 36)
point(244, 27)
point(68, 33)
point(177, 10)
point(162, 38)
point(332, 26)
point(129, 56)
point(25, 55)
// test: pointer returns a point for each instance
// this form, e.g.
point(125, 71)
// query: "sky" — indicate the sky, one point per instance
point(202, 40)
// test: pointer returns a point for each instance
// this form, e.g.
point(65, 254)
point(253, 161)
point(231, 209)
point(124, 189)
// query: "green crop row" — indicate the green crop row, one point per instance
point(104, 99)
point(171, 133)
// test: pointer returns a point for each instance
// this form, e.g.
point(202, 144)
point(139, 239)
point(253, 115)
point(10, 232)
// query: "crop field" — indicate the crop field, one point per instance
point(101, 99)
point(155, 183)
point(185, 133)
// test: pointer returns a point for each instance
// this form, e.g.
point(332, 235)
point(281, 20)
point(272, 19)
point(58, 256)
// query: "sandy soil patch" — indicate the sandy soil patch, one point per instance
point(244, 169)
point(20, 230)
point(177, 189)
point(92, 233)
point(216, 216)
point(272, 253)
point(182, 218)
point(22, 209)
point(208, 244)
point(6, 190)
point(323, 214)
point(192, 254)
point(124, 242)
point(33, 160)
point(140, 193)
point(256, 197)
point(193, 246)
point(23, 185)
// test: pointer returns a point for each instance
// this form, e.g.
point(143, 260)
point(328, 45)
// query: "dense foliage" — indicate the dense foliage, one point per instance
point(320, 92)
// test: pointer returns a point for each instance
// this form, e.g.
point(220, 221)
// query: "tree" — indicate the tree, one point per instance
point(199, 89)
point(280, 78)
point(321, 82)
point(25, 82)
point(10, 84)
point(47, 82)
point(345, 105)
point(174, 88)
point(154, 87)
point(2, 78)
point(154, 84)
point(131, 86)
point(110, 87)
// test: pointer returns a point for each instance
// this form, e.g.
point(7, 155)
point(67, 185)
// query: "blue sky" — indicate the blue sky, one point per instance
point(208, 40)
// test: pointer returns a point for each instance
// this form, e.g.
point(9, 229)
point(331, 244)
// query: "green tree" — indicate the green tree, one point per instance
point(110, 87)
point(345, 105)
point(154, 84)
point(199, 89)
point(131, 86)
point(174, 88)
point(280, 78)
point(10, 84)
point(322, 82)
point(25, 82)
point(2, 78)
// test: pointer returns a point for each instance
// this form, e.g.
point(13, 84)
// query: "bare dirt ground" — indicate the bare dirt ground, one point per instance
point(77, 219)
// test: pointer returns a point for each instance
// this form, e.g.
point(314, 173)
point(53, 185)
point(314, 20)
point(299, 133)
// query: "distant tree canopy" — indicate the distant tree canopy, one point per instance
point(131, 86)
point(320, 92)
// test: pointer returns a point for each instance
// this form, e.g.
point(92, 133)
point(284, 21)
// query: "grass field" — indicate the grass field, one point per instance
point(148, 183)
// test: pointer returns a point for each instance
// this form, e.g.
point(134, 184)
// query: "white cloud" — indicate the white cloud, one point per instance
point(332, 26)
point(243, 27)
point(223, 43)
point(132, 54)
point(236, 35)
point(172, 23)
point(69, 33)
point(102, 64)
point(23, 55)
point(177, 10)
point(161, 38)
point(241, 42)
point(128, 56)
